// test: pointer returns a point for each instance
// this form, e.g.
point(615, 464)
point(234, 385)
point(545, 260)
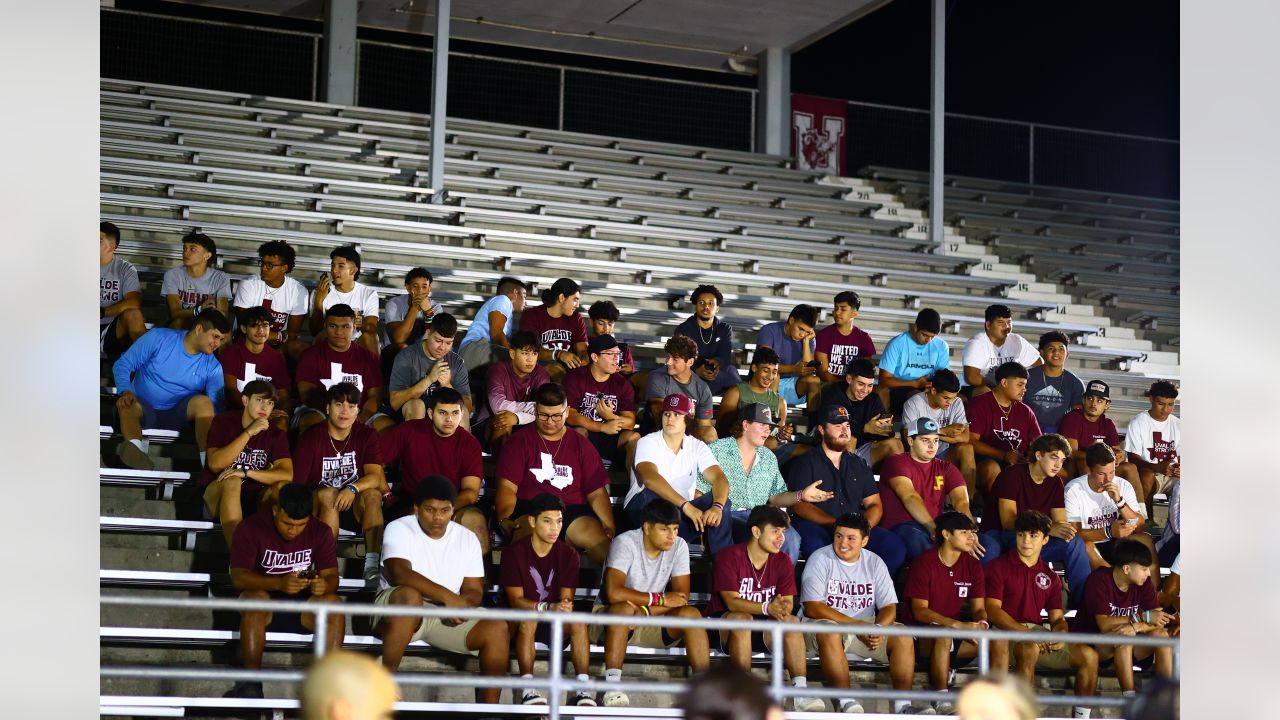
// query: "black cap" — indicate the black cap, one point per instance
point(1097, 388)
point(756, 412)
point(600, 343)
point(835, 415)
point(928, 320)
point(1163, 388)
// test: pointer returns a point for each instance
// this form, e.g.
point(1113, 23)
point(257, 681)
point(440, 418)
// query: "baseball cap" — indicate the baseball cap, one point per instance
point(1097, 388)
point(835, 414)
point(756, 412)
point(675, 402)
point(600, 343)
point(928, 320)
point(1163, 388)
point(924, 426)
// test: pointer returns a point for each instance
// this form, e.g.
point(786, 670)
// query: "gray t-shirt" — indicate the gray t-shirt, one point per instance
point(412, 364)
point(626, 553)
point(192, 291)
point(1050, 399)
point(856, 589)
point(917, 407)
point(660, 384)
point(395, 310)
point(116, 279)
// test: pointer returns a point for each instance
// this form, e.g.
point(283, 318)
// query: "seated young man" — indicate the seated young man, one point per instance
point(1052, 389)
point(642, 564)
point(854, 489)
point(551, 458)
point(1103, 507)
point(283, 296)
point(248, 459)
point(339, 287)
point(602, 403)
point(842, 342)
point(436, 446)
point(421, 369)
point(756, 579)
point(540, 572)
point(1021, 587)
point(196, 285)
point(510, 386)
point(910, 360)
point(560, 329)
point(919, 484)
point(793, 340)
point(1122, 600)
point(996, 345)
point(166, 380)
point(336, 359)
point(869, 422)
point(844, 584)
point(486, 340)
point(250, 358)
point(405, 318)
point(680, 379)
point(342, 460)
point(1089, 425)
point(938, 402)
point(757, 388)
point(120, 305)
point(602, 318)
point(431, 560)
point(667, 465)
point(1001, 427)
point(1151, 442)
point(714, 338)
point(1035, 485)
point(943, 589)
point(283, 553)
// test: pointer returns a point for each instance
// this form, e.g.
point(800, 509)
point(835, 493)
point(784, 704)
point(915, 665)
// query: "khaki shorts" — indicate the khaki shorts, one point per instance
point(852, 643)
point(1056, 660)
point(650, 636)
point(433, 630)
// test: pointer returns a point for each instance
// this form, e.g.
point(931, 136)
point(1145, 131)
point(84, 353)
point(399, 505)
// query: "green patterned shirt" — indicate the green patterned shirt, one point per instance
point(746, 489)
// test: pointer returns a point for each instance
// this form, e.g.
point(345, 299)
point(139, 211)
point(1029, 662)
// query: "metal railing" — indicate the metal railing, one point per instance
point(555, 683)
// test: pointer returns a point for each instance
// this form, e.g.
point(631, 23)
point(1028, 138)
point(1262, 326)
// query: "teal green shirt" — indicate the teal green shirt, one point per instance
point(747, 489)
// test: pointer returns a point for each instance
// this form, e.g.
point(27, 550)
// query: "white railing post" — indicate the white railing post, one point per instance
point(555, 667)
point(322, 629)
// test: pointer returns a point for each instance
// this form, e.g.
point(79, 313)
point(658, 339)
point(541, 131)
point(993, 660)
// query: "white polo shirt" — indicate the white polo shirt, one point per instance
point(679, 469)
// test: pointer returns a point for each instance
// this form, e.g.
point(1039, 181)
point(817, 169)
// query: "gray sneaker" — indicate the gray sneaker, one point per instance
point(916, 710)
point(851, 706)
point(942, 707)
point(533, 697)
point(808, 704)
point(133, 456)
point(372, 568)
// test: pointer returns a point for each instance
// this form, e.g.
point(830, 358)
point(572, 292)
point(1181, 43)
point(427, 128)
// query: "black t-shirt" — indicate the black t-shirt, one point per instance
point(851, 482)
point(860, 412)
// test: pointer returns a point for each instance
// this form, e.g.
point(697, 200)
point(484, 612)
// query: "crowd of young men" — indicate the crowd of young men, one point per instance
point(367, 426)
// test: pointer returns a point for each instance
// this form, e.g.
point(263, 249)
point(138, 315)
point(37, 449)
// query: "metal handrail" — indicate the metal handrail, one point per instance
point(555, 683)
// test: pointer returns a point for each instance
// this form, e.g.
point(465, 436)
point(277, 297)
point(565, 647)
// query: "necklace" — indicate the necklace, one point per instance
point(706, 340)
point(548, 450)
point(334, 445)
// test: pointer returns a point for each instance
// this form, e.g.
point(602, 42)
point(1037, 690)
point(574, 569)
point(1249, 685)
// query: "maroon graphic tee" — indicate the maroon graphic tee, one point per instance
point(560, 333)
point(262, 449)
point(569, 467)
point(256, 546)
point(323, 366)
point(238, 362)
point(843, 349)
point(1014, 432)
point(582, 391)
point(933, 481)
point(948, 590)
point(321, 461)
point(1102, 597)
point(1087, 434)
point(541, 577)
point(1024, 592)
point(734, 572)
point(1015, 483)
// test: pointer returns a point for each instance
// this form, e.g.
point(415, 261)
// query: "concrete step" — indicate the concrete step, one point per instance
point(1121, 343)
point(1049, 296)
point(1155, 369)
point(1002, 271)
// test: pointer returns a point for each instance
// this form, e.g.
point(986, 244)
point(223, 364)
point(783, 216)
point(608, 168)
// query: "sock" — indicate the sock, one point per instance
point(898, 705)
point(1080, 712)
point(613, 674)
point(526, 676)
point(801, 681)
point(202, 457)
point(1128, 693)
point(140, 443)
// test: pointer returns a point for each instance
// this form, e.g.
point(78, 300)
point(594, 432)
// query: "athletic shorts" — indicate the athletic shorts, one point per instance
point(852, 643)
point(433, 631)
point(719, 639)
point(1055, 660)
point(649, 636)
point(787, 389)
point(175, 418)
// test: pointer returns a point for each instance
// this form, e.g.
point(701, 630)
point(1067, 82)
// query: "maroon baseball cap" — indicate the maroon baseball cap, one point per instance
point(675, 402)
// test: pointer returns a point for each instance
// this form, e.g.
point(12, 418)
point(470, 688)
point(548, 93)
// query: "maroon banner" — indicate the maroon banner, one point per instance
point(818, 133)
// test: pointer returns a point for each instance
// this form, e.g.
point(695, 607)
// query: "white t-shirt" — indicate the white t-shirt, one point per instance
point(288, 299)
point(445, 562)
point(981, 353)
point(1094, 510)
point(1155, 442)
point(917, 406)
point(362, 298)
point(680, 470)
point(856, 589)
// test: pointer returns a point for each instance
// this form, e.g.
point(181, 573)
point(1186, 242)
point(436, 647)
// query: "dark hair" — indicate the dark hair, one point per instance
point(806, 314)
point(549, 395)
point(945, 381)
point(544, 502)
point(660, 512)
point(295, 500)
point(995, 312)
point(563, 286)
point(849, 298)
point(110, 230)
point(1054, 336)
point(1099, 454)
point(434, 487)
point(1130, 552)
point(854, 521)
point(1011, 369)
point(505, 283)
point(343, 392)
point(762, 515)
point(444, 325)
point(280, 249)
point(418, 272)
point(861, 367)
point(348, 253)
point(259, 387)
point(1162, 388)
point(952, 522)
point(929, 320)
point(340, 310)
point(1047, 443)
point(682, 346)
point(603, 310)
point(1032, 521)
point(725, 692)
point(765, 355)
point(706, 290)
point(254, 315)
point(524, 339)
point(444, 396)
point(204, 241)
point(212, 319)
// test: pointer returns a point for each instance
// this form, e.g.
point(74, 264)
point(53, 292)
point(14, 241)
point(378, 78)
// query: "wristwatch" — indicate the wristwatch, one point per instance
point(244, 472)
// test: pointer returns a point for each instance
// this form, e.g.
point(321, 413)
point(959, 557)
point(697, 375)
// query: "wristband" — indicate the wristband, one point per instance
point(653, 599)
point(718, 506)
point(354, 490)
point(1107, 529)
point(645, 608)
point(542, 606)
point(283, 336)
point(1146, 616)
point(681, 508)
point(244, 472)
point(764, 608)
point(555, 355)
point(984, 624)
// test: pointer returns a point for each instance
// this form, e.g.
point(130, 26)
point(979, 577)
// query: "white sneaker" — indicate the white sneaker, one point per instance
point(808, 704)
point(583, 699)
point(942, 707)
point(850, 706)
point(533, 697)
point(914, 710)
point(615, 698)
point(372, 567)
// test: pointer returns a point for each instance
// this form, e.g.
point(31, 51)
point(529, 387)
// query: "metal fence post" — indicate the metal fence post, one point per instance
point(555, 667)
point(775, 666)
point(1031, 154)
point(984, 655)
point(322, 629)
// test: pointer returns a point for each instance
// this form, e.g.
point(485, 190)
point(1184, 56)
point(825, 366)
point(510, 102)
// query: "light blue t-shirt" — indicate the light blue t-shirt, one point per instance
point(906, 360)
point(775, 336)
point(479, 329)
point(166, 373)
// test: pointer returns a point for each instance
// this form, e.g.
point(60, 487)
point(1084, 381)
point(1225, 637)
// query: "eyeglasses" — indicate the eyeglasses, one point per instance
point(615, 353)
point(550, 417)
point(271, 265)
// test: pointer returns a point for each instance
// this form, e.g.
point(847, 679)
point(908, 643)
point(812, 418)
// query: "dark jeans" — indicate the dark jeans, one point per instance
point(914, 537)
point(718, 537)
point(1072, 554)
point(888, 546)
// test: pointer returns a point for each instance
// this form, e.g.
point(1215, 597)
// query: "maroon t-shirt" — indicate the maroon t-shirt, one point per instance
point(947, 589)
point(1014, 432)
point(569, 467)
point(422, 452)
point(933, 481)
point(582, 391)
point(1024, 592)
point(733, 571)
point(1015, 483)
point(323, 366)
point(843, 349)
point(245, 366)
point(321, 461)
point(258, 547)
point(262, 449)
point(1102, 597)
point(560, 333)
point(541, 577)
point(1087, 434)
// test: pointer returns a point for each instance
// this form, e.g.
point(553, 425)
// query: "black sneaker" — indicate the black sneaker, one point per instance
point(245, 690)
point(583, 699)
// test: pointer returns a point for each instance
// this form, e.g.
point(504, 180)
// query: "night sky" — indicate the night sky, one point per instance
point(1098, 64)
